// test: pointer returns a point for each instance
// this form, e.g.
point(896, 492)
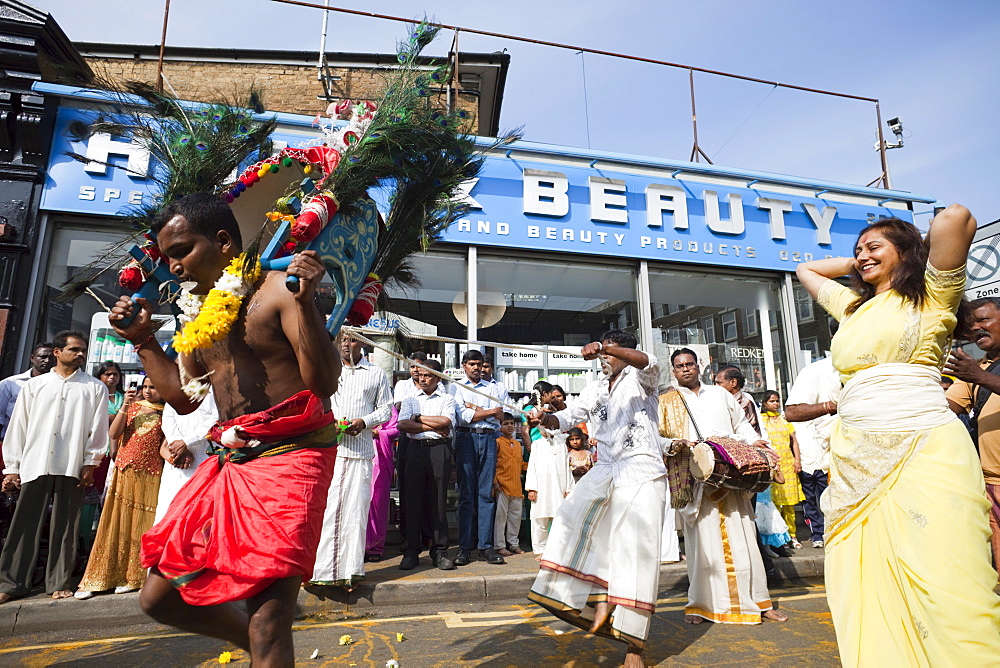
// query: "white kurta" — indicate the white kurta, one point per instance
point(59, 425)
point(548, 475)
point(728, 583)
point(605, 539)
point(815, 384)
point(192, 429)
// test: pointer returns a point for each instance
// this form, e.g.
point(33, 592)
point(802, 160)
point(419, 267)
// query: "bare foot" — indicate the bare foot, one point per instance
point(538, 558)
point(775, 615)
point(4, 598)
point(504, 552)
point(693, 619)
point(62, 593)
point(633, 658)
point(602, 610)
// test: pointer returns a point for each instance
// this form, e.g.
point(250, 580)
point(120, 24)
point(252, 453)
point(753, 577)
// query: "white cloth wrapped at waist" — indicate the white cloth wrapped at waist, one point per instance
point(894, 397)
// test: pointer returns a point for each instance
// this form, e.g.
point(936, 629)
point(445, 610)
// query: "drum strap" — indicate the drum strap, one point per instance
point(982, 396)
point(694, 423)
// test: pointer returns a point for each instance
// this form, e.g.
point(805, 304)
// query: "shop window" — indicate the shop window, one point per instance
point(726, 306)
point(811, 345)
point(559, 304)
point(435, 306)
point(708, 326)
point(814, 325)
point(729, 326)
point(675, 336)
point(803, 305)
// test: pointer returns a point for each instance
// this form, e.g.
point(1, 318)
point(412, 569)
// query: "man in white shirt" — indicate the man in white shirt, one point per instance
point(406, 387)
point(187, 446)
point(601, 566)
point(476, 458)
point(428, 419)
point(57, 435)
point(41, 362)
point(812, 403)
point(365, 399)
point(728, 584)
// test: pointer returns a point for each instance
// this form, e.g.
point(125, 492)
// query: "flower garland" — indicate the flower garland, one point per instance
point(208, 319)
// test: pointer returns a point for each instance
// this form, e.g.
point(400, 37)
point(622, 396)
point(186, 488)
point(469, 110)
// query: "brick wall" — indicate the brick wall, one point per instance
point(288, 88)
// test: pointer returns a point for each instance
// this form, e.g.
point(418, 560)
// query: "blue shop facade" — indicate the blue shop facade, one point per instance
point(560, 244)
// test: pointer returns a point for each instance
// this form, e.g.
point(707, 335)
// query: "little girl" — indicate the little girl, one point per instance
point(581, 457)
point(548, 482)
point(781, 434)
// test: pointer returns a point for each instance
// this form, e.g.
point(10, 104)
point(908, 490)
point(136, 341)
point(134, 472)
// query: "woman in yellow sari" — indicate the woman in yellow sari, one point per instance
point(908, 573)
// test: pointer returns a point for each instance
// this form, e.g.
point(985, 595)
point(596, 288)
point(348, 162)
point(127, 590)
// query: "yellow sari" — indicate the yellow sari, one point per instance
point(908, 573)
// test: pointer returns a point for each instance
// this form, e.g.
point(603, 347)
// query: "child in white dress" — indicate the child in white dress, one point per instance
point(548, 482)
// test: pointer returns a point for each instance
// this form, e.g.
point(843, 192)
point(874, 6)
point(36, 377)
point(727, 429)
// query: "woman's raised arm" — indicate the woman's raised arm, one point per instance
point(950, 236)
point(814, 274)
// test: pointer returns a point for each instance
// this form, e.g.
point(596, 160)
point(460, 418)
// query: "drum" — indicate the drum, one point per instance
point(709, 467)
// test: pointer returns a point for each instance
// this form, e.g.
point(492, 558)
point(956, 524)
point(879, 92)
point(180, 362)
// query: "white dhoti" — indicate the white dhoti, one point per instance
point(727, 580)
point(605, 546)
point(340, 557)
point(670, 544)
point(173, 478)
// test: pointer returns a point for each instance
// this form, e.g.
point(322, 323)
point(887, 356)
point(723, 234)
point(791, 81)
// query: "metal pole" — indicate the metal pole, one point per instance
point(694, 119)
point(696, 149)
point(886, 182)
point(163, 42)
point(472, 296)
point(322, 44)
point(453, 82)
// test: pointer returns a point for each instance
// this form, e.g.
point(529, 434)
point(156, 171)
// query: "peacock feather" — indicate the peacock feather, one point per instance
point(194, 147)
point(419, 152)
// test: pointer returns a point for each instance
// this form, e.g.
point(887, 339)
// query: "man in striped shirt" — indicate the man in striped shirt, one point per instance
point(364, 398)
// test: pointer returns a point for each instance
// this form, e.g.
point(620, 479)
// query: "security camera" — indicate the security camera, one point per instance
point(896, 126)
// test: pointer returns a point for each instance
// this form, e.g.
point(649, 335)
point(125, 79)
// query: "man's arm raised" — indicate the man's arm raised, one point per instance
point(302, 323)
point(162, 370)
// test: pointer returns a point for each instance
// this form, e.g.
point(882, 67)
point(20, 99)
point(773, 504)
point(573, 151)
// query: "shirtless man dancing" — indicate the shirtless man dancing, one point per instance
point(246, 526)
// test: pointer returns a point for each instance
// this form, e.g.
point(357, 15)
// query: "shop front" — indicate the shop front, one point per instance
point(560, 245)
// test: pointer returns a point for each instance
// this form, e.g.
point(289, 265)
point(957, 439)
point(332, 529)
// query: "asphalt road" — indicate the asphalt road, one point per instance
point(503, 635)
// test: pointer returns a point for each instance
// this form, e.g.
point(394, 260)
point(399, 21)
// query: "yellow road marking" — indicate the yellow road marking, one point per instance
point(456, 620)
point(451, 620)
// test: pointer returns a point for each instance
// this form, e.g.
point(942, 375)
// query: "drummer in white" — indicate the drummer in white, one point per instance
point(726, 574)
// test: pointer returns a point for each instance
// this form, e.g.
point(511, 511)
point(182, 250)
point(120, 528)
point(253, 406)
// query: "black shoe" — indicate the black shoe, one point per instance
point(372, 557)
point(491, 556)
point(443, 562)
point(463, 558)
point(409, 561)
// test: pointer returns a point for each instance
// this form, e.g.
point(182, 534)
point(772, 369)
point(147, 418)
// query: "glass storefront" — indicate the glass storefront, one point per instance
point(724, 319)
point(73, 248)
point(556, 303)
point(549, 302)
point(815, 326)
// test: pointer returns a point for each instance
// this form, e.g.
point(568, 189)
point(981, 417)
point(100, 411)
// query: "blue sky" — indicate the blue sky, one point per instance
point(933, 64)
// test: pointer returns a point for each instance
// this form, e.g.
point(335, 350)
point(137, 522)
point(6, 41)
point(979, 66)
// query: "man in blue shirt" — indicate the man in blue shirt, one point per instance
point(476, 458)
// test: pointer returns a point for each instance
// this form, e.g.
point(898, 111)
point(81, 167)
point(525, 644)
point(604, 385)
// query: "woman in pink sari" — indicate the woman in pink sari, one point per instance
point(378, 514)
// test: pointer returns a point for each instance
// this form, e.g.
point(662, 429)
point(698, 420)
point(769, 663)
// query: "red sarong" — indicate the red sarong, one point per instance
point(246, 519)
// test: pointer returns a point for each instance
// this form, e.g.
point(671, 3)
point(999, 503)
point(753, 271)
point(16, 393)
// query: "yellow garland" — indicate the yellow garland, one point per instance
point(217, 314)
